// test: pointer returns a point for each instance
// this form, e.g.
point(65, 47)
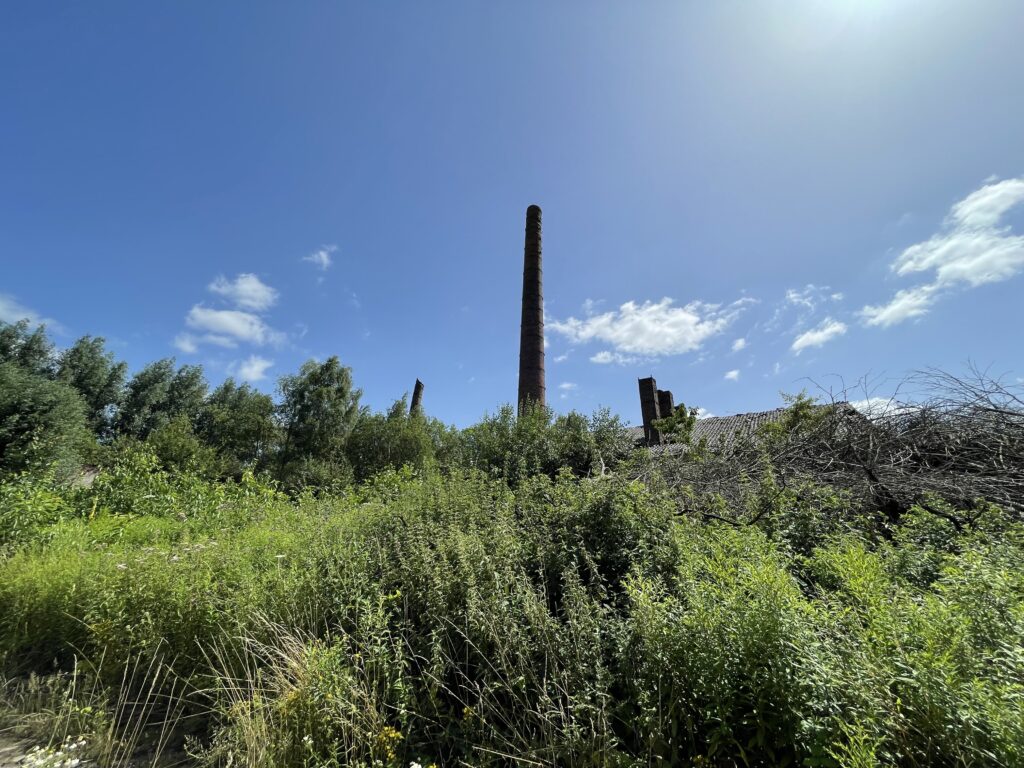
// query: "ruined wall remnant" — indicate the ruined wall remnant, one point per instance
point(666, 403)
point(650, 409)
point(531, 333)
point(417, 399)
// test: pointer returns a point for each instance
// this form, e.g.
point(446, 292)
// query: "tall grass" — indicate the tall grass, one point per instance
point(451, 620)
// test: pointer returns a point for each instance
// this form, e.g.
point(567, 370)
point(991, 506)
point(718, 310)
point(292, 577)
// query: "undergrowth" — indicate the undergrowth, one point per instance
point(451, 620)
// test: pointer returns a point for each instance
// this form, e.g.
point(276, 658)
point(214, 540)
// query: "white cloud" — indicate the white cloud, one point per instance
point(226, 326)
point(562, 358)
point(802, 298)
point(190, 343)
point(321, 257)
point(908, 303)
point(739, 344)
point(878, 406)
point(972, 249)
point(604, 357)
point(187, 343)
point(11, 311)
point(816, 337)
point(703, 413)
point(733, 375)
point(811, 296)
point(652, 328)
point(254, 368)
point(983, 208)
point(801, 303)
point(568, 386)
point(246, 291)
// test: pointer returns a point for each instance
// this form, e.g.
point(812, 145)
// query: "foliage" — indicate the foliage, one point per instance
point(833, 590)
point(238, 422)
point(536, 442)
point(178, 448)
point(157, 394)
point(432, 617)
point(677, 427)
point(90, 369)
point(319, 408)
point(42, 422)
point(28, 348)
point(390, 441)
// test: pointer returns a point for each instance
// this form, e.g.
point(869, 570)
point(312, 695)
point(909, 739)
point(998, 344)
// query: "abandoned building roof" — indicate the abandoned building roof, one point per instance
point(724, 431)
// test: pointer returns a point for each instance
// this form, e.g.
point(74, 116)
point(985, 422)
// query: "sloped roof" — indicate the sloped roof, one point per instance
point(724, 431)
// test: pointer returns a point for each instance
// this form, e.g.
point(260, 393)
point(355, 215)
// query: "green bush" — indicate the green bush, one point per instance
point(428, 617)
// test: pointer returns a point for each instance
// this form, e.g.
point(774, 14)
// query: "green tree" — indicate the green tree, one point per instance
point(157, 394)
point(612, 439)
point(41, 422)
point(380, 441)
point(178, 447)
point(509, 447)
point(677, 427)
point(91, 370)
point(318, 410)
point(238, 421)
point(573, 444)
point(187, 392)
point(27, 347)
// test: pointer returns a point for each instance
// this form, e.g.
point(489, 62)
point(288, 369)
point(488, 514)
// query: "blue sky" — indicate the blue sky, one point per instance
point(739, 197)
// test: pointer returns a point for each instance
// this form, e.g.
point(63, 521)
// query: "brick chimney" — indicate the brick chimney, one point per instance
point(666, 403)
point(417, 398)
point(531, 333)
point(650, 409)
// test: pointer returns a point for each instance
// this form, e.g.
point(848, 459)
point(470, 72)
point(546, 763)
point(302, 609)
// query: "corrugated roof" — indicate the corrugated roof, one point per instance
point(725, 431)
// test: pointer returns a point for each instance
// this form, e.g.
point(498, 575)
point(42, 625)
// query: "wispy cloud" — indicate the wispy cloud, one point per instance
point(828, 329)
point(972, 249)
point(906, 304)
point(733, 375)
point(246, 291)
point(604, 357)
point(651, 329)
point(254, 368)
point(11, 311)
point(321, 257)
point(566, 388)
point(739, 344)
point(800, 306)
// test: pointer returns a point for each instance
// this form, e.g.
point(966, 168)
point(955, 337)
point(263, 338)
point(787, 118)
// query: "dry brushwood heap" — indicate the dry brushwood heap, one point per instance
point(952, 451)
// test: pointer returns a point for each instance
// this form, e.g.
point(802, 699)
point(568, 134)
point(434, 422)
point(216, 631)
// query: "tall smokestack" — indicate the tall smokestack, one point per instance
point(531, 334)
point(417, 399)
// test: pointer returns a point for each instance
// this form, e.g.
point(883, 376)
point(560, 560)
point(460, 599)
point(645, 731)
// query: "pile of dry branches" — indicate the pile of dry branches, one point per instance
point(952, 445)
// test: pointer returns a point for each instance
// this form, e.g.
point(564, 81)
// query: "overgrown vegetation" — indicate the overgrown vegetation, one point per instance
point(526, 591)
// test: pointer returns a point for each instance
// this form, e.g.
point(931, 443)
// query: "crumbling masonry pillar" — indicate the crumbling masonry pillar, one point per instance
point(649, 409)
point(417, 399)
